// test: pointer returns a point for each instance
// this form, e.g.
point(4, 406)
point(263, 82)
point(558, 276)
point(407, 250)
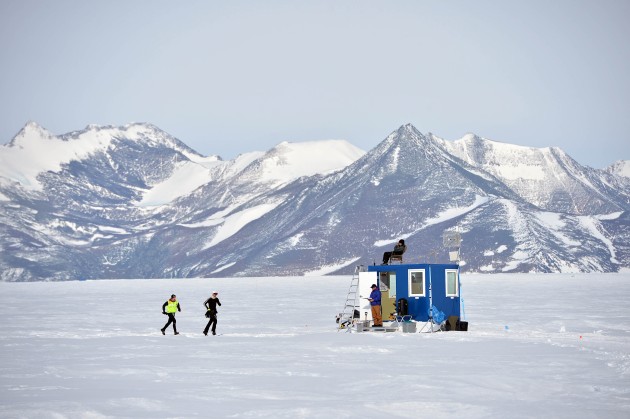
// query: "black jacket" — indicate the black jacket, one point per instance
point(211, 304)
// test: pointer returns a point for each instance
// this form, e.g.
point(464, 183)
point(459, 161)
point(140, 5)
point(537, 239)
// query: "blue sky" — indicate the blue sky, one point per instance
point(228, 77)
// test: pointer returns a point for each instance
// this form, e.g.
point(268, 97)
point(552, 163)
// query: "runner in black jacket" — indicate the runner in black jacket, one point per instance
point(211, 313)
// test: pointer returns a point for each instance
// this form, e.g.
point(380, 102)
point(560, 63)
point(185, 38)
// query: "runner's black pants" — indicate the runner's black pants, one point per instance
point(171, 319)
point(212, 322)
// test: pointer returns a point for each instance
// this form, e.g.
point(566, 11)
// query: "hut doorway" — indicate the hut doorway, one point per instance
point(387, 285)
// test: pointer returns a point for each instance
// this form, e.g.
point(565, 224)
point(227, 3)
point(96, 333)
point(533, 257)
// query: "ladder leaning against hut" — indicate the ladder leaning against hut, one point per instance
point(346, 317)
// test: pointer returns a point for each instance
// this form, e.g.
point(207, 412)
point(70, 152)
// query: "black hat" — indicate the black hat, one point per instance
point(373, 286)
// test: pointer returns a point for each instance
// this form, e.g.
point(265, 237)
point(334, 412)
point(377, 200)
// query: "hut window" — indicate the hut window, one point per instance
point(416, 283)
point(452, 289)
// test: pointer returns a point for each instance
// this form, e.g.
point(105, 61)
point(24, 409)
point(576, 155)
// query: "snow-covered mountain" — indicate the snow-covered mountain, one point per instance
point(547, 178)
point(621, 168)
point(132, 201)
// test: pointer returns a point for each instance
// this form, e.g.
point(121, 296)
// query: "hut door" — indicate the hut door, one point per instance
point(366, 279)
point(387, 285)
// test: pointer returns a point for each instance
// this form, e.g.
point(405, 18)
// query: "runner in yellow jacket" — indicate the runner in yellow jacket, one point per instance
point(169, 308)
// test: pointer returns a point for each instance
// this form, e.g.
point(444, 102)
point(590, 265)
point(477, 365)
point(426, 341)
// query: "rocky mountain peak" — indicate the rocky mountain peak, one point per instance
point(31, 131)
point(620, 168)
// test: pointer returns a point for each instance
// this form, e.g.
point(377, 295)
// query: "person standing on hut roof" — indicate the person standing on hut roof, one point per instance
point(211, 312)
point(399, 249)
point(375, 303)
point(169, 308)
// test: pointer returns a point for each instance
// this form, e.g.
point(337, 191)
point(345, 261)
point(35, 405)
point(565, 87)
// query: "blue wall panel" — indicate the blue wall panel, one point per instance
point(435, 277)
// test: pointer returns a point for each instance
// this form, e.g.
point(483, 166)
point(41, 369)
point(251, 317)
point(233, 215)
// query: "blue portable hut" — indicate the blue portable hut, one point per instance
point(410, 289)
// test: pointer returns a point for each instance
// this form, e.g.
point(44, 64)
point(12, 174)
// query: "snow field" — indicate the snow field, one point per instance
point(537, 346)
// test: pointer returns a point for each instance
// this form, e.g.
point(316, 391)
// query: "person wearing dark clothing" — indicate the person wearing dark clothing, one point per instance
point(211, 313)
point(399, 249)
point(375, 304)
point(169, 308)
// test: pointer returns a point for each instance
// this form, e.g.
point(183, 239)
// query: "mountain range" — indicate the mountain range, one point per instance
point(135, 202)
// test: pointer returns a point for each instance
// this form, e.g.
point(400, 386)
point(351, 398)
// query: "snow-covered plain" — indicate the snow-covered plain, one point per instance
point(537, 346)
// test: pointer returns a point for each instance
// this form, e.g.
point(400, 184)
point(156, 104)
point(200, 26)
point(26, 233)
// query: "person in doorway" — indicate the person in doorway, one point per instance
point(169, 308)
point(399, 249)
point(375, 304)
point(211, 312)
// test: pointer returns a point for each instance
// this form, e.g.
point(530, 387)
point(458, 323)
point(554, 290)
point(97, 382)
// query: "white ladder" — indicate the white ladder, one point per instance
point(346, 318)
